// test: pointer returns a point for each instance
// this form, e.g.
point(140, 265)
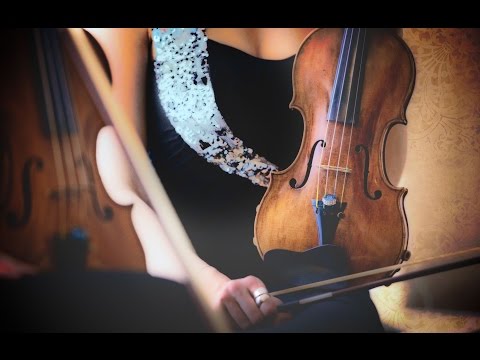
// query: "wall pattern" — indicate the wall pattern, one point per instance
point(442, 173)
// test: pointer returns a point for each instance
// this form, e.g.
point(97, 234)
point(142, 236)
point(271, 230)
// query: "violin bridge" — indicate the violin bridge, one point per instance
point(336, 168)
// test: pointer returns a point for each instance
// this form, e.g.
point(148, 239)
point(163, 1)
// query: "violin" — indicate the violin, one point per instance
point(54, 210)
point(335, 201)
point(351, 87)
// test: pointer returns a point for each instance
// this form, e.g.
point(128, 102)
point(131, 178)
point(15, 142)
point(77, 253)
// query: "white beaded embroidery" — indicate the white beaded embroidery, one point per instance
point(187, 97)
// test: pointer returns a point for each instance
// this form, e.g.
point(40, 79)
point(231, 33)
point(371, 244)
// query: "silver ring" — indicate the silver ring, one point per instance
point(260, 299)
point(259, 291)
point(260, 295)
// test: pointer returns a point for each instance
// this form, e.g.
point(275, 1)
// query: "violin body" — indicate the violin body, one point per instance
point(52, 201)
point(343, 155)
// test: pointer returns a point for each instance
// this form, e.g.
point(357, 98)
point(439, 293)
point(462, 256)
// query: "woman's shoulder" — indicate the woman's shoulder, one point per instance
point(126, 52)
point(123, 47)
point(112, 38)
point(110, 33)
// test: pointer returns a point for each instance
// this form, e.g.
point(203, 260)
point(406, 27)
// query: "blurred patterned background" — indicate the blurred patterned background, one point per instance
point(441, 169)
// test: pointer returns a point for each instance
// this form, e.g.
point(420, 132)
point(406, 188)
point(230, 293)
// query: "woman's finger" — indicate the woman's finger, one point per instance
point(249, 307)
point(236, 313)
point(268, 307)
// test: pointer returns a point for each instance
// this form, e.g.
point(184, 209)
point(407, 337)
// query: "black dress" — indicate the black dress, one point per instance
point(218, 209)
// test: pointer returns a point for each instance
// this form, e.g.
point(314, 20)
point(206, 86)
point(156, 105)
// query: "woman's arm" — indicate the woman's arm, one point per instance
point(126, 51)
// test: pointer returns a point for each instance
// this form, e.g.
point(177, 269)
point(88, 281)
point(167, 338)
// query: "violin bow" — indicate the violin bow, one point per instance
point(429, 270)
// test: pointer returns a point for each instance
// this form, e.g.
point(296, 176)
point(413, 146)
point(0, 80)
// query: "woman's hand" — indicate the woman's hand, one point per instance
point(237, 298)
point(12, 268)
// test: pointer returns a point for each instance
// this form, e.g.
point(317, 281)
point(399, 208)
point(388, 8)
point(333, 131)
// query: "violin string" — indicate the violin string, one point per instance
point(354, 115)
point(72, 176)
point(65, 193)
point(76, 139)
point(336, 118)
point(357, 35)
point(52, 126)
point(337, 73)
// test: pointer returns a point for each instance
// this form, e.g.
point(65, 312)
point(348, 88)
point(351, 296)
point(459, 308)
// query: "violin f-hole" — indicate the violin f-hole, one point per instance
point(105, 213)
point(13, 219)
point(377, 194)
point(6, 173)
point(293, 181)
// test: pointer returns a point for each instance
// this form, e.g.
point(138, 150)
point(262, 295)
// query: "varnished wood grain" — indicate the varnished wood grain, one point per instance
point(113, 243)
